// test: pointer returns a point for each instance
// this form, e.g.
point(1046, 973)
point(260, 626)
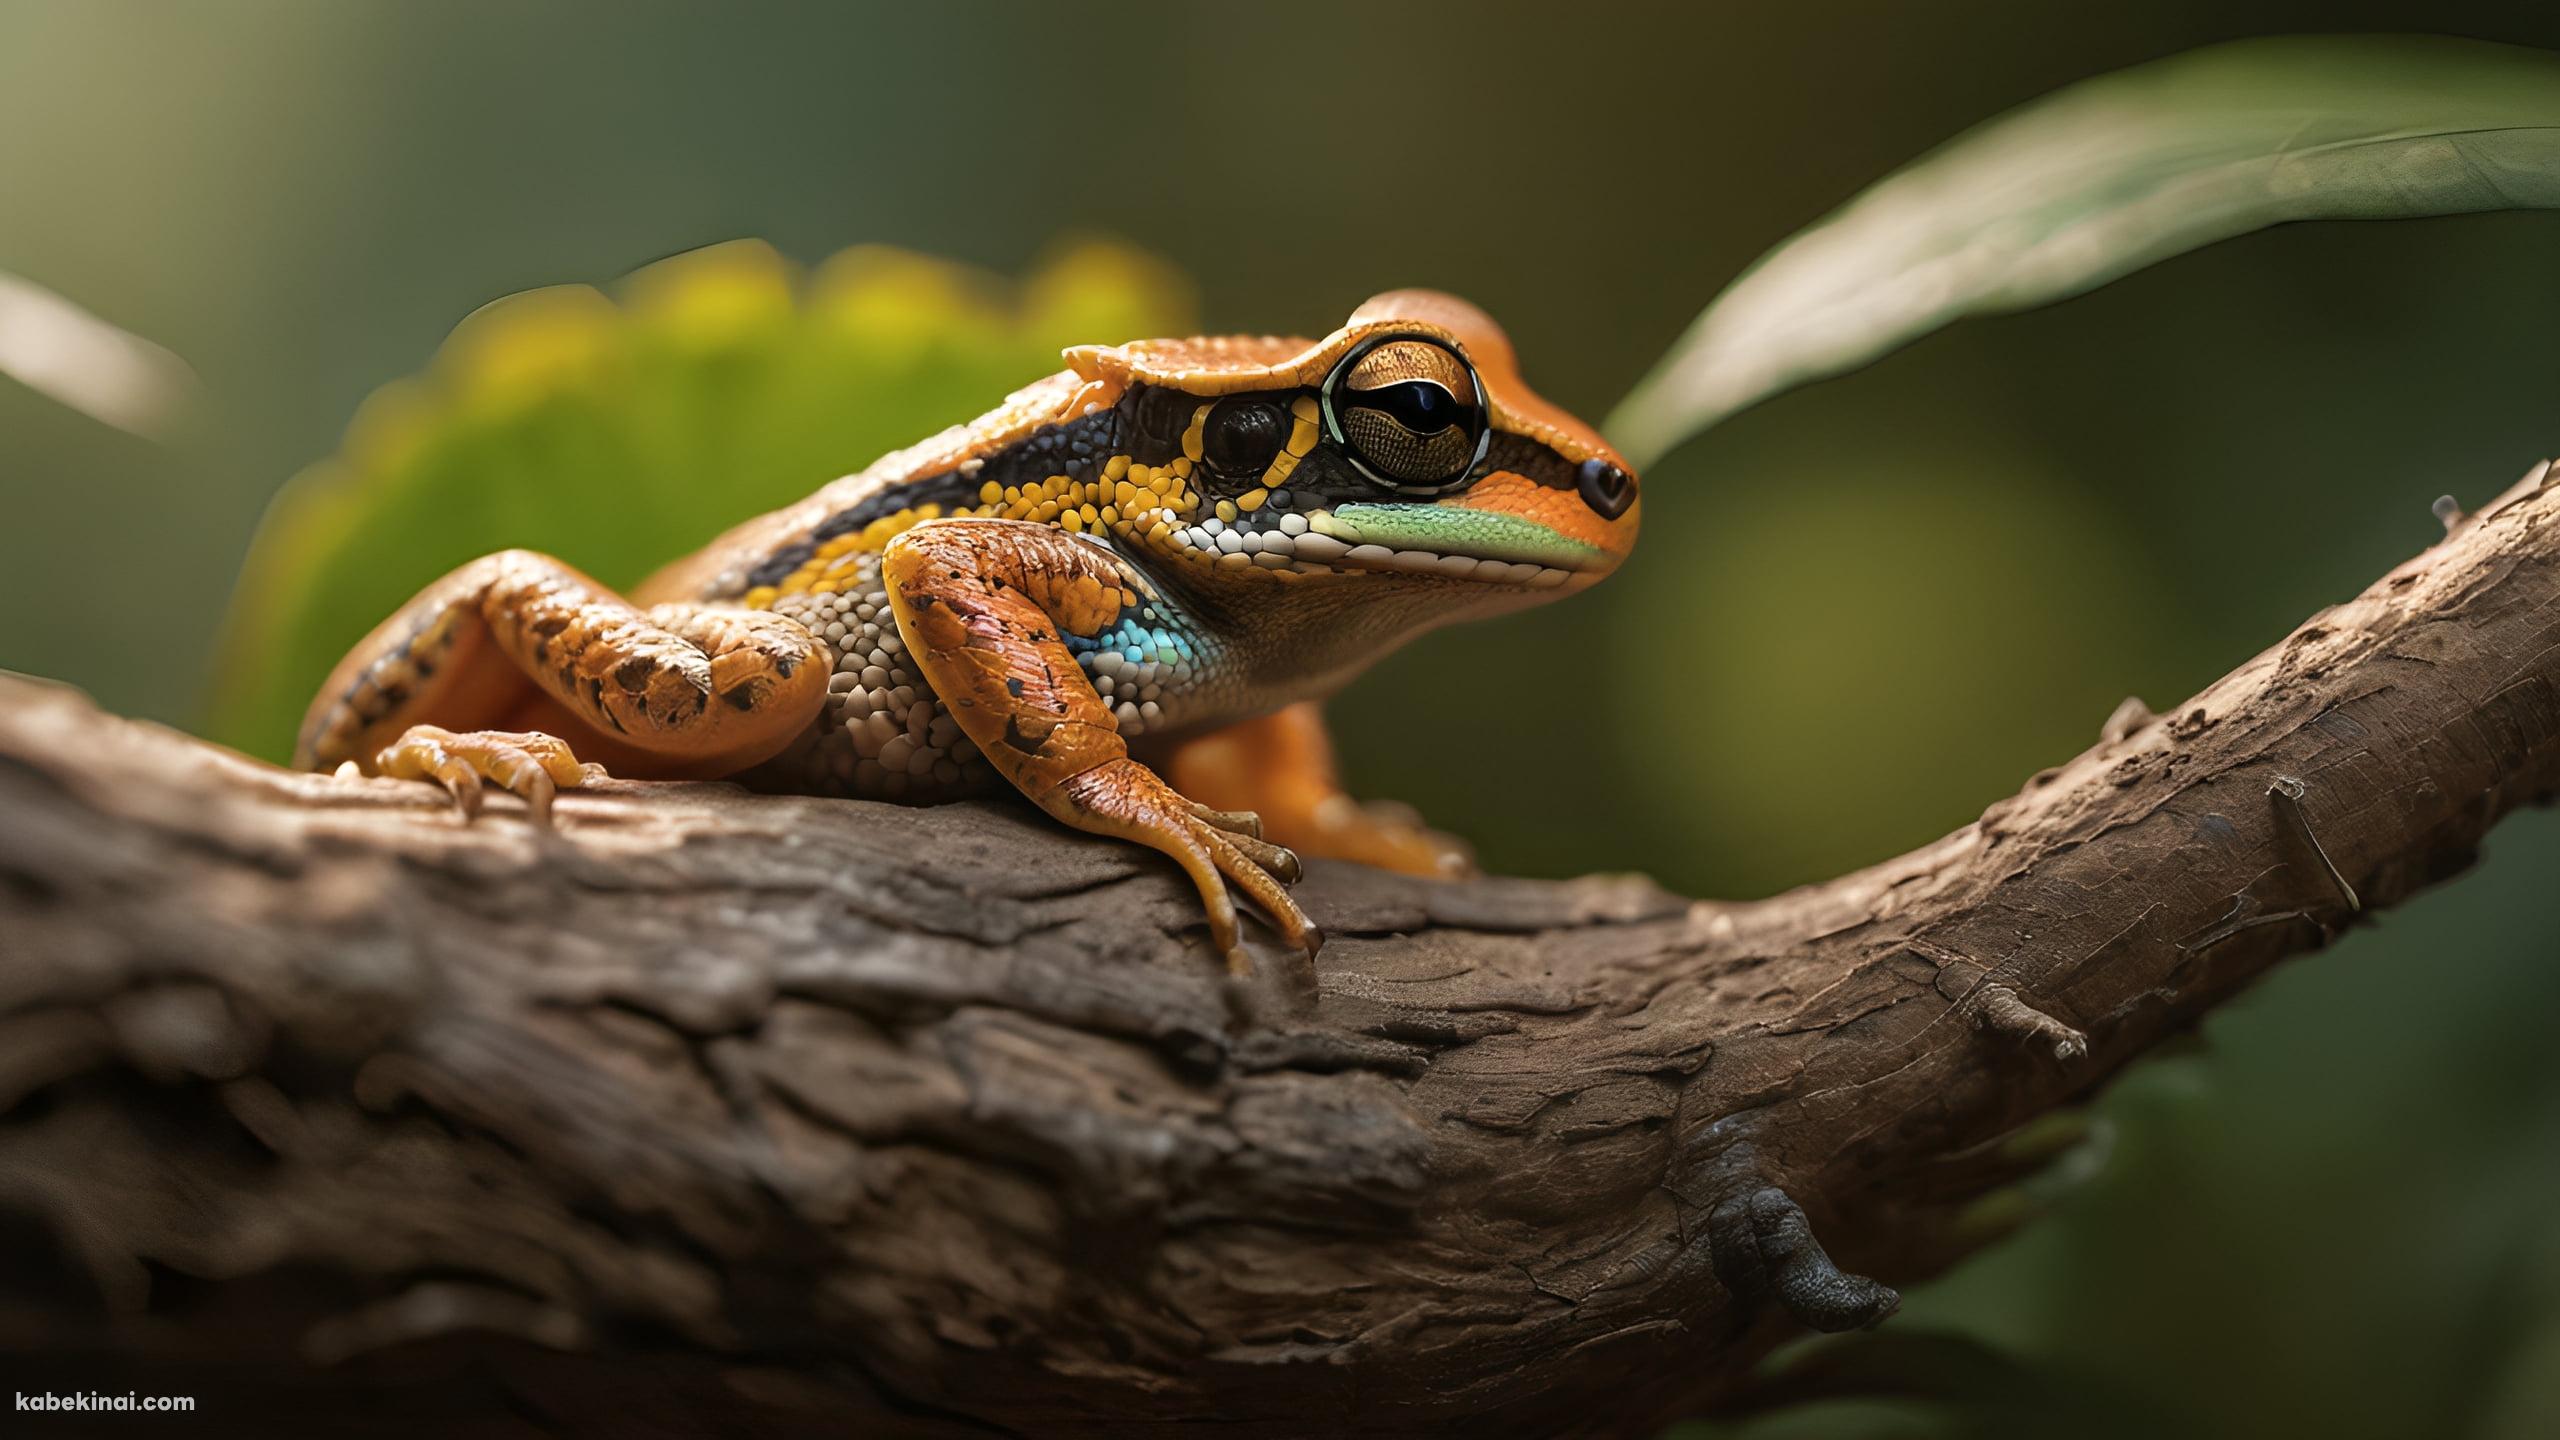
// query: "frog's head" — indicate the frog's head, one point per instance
point(1404, 444)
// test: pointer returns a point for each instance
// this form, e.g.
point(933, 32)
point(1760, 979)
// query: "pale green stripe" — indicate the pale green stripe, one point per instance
point(1454, 530)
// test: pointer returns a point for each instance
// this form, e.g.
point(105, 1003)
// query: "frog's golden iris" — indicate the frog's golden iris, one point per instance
point(1407, 410)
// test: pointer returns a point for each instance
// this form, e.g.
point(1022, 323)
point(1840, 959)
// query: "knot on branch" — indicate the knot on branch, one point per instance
point(1764, 1246)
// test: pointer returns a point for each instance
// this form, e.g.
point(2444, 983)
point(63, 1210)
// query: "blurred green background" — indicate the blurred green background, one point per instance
point(1858, 614)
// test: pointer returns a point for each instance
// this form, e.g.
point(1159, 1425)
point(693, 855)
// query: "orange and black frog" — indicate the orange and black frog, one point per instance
point(1124, 592)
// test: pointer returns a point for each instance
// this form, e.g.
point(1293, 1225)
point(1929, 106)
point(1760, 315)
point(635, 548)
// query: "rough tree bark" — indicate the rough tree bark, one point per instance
point(742, 1115)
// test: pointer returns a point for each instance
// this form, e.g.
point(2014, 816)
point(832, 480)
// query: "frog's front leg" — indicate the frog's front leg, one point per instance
point(982, 605)
point(1280, 766)
point(519, 639)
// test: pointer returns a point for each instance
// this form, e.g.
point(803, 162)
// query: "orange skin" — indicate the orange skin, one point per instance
point(1229, 528)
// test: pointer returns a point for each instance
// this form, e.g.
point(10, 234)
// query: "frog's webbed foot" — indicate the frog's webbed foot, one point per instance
point(1281, 766)
point(529, 764)
point(1216, 848)
point(1384, 833)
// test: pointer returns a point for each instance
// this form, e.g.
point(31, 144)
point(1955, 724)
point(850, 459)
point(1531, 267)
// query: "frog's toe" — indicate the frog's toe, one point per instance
point(1222, 851)
point(1243, 830)
point(1234, 822)
point(1279, 860)
point(1264, 872)
point(529, 764)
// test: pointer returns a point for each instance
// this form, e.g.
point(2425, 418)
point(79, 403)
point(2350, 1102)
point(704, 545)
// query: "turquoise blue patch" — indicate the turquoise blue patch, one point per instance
point(1137, 642)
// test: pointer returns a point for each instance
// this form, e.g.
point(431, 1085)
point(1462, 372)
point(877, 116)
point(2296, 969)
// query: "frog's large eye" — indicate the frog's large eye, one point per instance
point(1409, 410)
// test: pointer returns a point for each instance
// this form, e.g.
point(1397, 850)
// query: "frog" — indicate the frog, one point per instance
point(1124, 594)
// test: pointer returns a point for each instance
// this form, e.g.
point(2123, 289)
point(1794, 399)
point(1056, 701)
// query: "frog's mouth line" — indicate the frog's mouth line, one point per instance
point(1483, 546)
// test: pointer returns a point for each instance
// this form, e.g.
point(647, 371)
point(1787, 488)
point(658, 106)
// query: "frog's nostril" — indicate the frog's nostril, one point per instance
point(1607, 489)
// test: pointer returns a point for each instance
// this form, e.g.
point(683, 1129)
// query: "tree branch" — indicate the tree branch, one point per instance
point(781, 1116)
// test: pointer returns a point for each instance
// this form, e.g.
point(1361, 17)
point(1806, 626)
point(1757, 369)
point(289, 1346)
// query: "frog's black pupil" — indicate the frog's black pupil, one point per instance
point(1241, 436)
point(1419, 405)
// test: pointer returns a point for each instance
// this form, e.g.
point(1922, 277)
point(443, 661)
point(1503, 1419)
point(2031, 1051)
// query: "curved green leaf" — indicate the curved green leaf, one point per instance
point(2068, 192)
point(621, 432)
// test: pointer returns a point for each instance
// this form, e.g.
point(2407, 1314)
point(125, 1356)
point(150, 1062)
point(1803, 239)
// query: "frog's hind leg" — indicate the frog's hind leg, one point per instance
point(1280, 766)
point(676, 692)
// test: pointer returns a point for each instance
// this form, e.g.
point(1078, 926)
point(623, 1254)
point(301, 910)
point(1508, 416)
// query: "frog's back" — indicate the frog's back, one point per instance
point(935, 477)
point(1061, 424)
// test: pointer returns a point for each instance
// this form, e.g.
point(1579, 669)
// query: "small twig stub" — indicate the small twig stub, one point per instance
point(2002, 1010)
point(2129, 715)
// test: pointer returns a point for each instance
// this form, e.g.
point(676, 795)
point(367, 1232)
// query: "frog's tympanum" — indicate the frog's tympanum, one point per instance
point(1123, 592)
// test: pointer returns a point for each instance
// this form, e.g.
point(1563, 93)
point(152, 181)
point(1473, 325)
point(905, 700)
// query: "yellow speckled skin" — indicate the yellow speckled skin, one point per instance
point(1121, 593)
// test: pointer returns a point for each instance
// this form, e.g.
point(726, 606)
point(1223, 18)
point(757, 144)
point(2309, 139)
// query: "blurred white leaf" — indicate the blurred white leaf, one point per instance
point(2092, 182)
point(58, 349)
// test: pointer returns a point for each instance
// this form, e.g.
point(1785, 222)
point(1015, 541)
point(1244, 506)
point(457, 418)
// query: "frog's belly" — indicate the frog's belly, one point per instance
point(884, 735)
